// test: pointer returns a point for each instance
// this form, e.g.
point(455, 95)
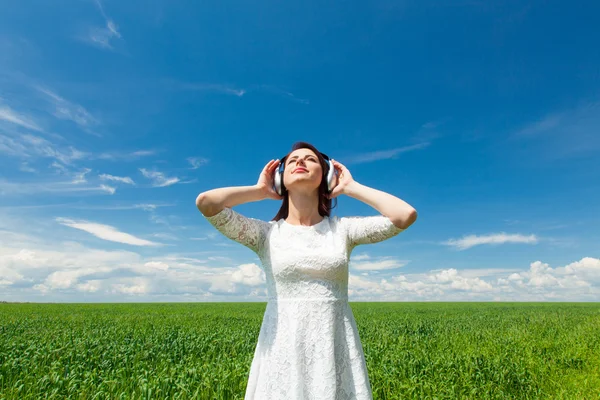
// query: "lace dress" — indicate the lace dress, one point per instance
point(308, 346)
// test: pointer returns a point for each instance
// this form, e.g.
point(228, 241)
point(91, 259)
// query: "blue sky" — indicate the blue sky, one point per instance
point(114, 116)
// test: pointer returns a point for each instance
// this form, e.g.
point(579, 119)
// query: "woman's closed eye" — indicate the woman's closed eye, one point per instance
point(311, 159)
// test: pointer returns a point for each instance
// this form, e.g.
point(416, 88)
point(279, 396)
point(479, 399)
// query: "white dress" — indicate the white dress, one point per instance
point(308, 346)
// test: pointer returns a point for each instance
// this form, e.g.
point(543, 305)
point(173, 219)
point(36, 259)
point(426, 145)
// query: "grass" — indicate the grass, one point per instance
point(204, 350)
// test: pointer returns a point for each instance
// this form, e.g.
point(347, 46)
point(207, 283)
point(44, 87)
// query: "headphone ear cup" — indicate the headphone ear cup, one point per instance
point(330, 176)
point(278, 180)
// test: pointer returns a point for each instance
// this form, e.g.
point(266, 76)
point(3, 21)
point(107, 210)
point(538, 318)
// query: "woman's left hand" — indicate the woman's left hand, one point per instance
point(344, 178)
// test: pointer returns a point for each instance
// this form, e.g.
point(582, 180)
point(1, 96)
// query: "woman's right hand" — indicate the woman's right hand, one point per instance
point(265, 181)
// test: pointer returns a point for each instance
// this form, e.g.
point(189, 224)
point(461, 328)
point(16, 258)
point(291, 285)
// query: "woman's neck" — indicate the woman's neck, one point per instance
point(303, 209)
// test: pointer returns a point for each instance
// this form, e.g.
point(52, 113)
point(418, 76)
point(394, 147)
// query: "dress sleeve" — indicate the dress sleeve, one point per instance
point(371, 229)
point(250, 232)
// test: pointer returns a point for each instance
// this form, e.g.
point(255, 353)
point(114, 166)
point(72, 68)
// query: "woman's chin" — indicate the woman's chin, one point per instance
point(302, 187)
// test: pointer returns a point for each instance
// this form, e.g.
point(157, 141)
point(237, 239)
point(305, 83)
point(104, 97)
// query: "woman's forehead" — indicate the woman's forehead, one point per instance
point(301, 152)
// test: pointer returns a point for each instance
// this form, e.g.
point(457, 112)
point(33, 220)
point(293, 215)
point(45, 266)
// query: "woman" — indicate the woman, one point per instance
point(308, 346)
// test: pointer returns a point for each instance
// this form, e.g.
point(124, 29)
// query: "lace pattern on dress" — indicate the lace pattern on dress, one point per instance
point(308, 346)
point(250, 232)
point(371, 229)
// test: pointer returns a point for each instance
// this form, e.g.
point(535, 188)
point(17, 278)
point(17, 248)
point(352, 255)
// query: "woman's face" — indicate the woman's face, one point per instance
point(303, 171)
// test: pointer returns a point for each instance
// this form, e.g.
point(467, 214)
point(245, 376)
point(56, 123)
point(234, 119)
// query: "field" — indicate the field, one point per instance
point(204, 350)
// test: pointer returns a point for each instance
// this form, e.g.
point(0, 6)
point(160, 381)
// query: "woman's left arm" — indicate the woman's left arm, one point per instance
point(397, 210)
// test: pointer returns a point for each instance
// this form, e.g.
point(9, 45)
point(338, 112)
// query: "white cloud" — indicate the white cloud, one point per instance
point(31, 146)
point(280, 92)
point(455, 281)
point(103, 36)
point(91, 286)
point(9, 115)
point(379, 265)
point(142, 153)
point(166, 236)
point(383, 154)
point(158, 178)
point(26, 168)
point(80, 176)
point(587, 267)
point(116, 155)
point(68, 278)
point(248, 274)
point(15, 188)
point(562, 134)
point(157, 265)
point(106, 232)
point(66, 110)
point(124, 179)
point(42, 265)
point(239, 92)
point(146, 207)
point(108, 189)
point(360, 257)
point(197, 162)
point(578, 281)
point(212, 87)
point(496, 238)
point(545, 124)
point(136, 286)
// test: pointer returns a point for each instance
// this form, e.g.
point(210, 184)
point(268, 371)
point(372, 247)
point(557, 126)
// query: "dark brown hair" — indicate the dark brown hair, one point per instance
point(324, 202)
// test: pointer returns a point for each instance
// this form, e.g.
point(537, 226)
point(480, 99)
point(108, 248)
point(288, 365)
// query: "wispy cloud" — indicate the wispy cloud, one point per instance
point(377, 265)
point(428, 132)
point(59, 168)
point(80, 176)
point(279, 92)
point(545, 124)
point(125, 156)
point(155, 217)
point(31, 146)
point(565, 134)
point(494, 239)
point(146, 207)
point(124, 179)
point(382, 154)
point(212, 87)
point(166, 236)
point(9, 115)
point(106, 232)
point(108, 189)
point(237, 91)
point(104, 37)
point(60, 187)
point(158, 178)
point(454, 280)
point(26, 168)
point(197, 162)
point(66, 110)
point(430, 125)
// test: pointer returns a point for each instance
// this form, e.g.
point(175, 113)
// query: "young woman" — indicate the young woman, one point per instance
point(308, 346)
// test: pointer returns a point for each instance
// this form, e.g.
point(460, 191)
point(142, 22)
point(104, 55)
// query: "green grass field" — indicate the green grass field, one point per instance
point(204, 350)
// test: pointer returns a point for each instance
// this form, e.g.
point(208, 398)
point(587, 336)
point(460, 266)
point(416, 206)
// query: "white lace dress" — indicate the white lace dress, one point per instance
point(308, 346)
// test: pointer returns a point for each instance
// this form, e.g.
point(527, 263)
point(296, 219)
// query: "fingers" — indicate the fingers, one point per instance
point(268, 166)
point(336, 164)
point(271, 165)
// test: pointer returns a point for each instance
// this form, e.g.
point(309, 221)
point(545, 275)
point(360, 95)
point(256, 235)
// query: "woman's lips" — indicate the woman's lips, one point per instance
point(300, 170)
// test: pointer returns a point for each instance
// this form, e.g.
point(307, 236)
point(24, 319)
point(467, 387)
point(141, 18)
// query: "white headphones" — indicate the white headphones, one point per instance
point(329, 172)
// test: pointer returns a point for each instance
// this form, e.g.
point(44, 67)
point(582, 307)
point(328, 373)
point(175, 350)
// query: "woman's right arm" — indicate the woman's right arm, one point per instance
point(211, 202)
point(216, 206)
